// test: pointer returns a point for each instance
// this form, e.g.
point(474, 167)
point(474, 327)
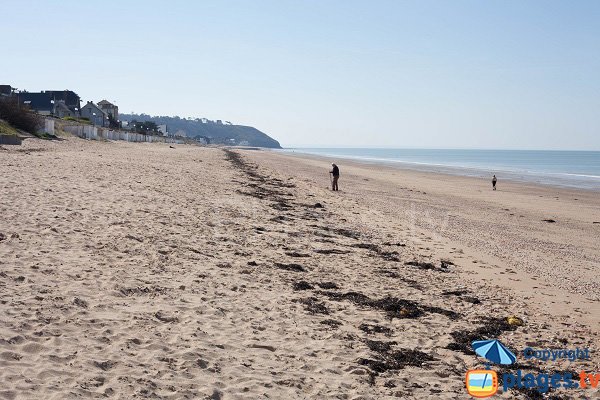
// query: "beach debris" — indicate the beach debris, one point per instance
point(318, 205)
point(202, 363)
point(80, 303)
point(445, 264)
point(302, 285)
point(367, 246)
point(296, 254)
point(492, 328)
point(515, 321)
point(394, 244)
point(281, 218)
point(386, 255)
point(142, 290)
point(387, 357)
point(217, 395)
point(314, 306)
point(291, 267)
point(369, 329)
point(389, 255)
point(104, 365)
point(2, 236)
point(460, 293)
point(129, 236)
point(328, 285)
point(392, 306)
point(262, 346)
point(331, 251)
point(332, 323)
point(551, 221)
point(252, 263)
point(161, 316)
point(420, 264)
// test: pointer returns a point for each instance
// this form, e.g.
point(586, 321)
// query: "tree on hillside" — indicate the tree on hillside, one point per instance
point(144, 126)
point(19, 116)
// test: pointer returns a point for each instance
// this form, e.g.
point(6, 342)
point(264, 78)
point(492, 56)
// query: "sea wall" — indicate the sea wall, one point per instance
point(10, 140)
point(96, 133)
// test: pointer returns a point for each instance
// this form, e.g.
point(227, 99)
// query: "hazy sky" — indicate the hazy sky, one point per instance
point(470, 74)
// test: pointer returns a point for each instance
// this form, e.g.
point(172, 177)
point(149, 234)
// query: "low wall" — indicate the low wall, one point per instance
point(10, 140)
point(49, 126)
point(96, 133)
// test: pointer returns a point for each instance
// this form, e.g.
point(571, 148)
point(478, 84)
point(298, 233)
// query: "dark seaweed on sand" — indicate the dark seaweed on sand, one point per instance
point(461, 293)
point(420, 264)
point(331, 251)
point(372, 328)
point(387, 357)
point(339, 231)
point(314, 306)
point(302, 285)
point(394, 307)
point(386, 255)
point(296, 254)
point(332, 323)
point(328, 285)
point(492, 328)
point(291, 267)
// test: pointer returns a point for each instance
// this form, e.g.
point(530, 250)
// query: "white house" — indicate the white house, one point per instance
point(163, 129)
point(95, 114)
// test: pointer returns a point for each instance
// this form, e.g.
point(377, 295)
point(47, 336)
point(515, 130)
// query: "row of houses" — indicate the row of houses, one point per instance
point(65, 103)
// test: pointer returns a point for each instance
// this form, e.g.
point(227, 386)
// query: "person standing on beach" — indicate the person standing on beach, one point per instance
point(335, 173)
point(494, 180)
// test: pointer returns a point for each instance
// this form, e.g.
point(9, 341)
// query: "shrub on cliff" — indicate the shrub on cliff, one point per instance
point(19, 116)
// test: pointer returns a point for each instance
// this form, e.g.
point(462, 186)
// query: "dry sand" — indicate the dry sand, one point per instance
point(142, 271)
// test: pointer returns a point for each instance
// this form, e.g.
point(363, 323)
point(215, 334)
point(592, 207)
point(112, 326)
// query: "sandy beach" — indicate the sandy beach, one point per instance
point(145, 271)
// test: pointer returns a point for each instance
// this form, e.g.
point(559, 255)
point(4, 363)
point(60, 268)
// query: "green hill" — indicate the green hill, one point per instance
point(214, 132)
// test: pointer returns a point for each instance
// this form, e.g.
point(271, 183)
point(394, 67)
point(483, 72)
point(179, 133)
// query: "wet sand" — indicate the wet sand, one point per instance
point(143, 271)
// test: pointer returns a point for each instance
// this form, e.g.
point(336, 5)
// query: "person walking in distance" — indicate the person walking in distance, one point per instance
point(335, 174)
point(494, 180)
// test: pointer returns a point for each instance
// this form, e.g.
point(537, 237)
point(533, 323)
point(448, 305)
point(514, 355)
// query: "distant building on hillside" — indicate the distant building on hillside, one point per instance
point(47, 103)
point(69, 97)
point(181, 133)
point(127, 125)
point(61, 110)
point(163, 129)
point(5, 90)
point(95, 114)
point(40, 102)
point(110, 109)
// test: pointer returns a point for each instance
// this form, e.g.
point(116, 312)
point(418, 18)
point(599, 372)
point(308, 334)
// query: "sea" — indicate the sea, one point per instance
point(577, 169)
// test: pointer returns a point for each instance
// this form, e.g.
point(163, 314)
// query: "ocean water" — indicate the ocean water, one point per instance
point(580, 169)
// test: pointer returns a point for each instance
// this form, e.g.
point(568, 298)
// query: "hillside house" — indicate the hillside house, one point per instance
point(68, 97)
point(109, 108)
point(95, 114)
point(61, 110)
point(47, 103)
point(5, 90)
point(163, 129)
point(40, 102)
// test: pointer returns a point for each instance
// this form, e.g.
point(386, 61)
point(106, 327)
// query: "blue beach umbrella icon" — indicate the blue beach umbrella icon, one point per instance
point(494, 351)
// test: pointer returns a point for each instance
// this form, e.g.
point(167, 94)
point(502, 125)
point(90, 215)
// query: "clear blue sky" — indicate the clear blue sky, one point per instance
point(446, 74)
